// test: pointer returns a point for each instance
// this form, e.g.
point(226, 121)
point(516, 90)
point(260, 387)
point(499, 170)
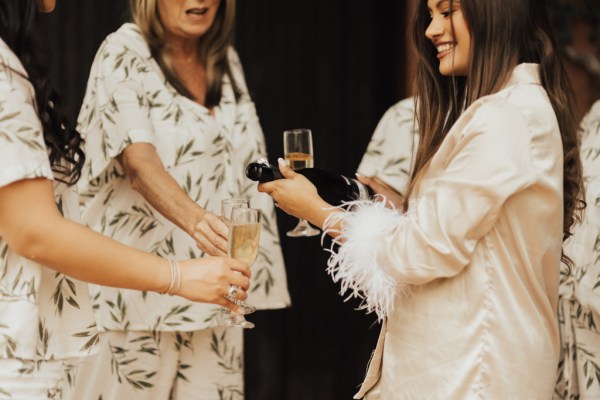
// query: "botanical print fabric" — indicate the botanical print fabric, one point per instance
point(43, 314)
point(128, 101)
point(390, 151)
point(579, 302)
point(28, 379)
point(130, 361)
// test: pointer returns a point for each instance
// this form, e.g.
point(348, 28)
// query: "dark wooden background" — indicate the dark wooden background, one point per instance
point(333, 66)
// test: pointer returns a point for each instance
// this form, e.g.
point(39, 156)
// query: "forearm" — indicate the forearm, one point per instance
point(148, 177)
point(161, 191)
point(31, 225)
point(66, 246)
point(318, 213)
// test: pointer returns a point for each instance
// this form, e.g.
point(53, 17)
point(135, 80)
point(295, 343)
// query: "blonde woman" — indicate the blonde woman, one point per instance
point(169, 127)
point(46, 316)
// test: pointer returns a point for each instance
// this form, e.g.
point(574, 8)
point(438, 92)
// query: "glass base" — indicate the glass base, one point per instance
point(238, 320)
point(303, 229)
point(228, 318)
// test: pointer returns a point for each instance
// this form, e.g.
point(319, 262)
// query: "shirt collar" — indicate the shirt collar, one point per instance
point(523, 74)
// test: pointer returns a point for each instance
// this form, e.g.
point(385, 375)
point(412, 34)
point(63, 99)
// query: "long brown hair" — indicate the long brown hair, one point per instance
point(213, 47)
point(504, 33)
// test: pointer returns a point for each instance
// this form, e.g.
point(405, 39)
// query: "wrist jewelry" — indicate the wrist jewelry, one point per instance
point(177, 278)
point(175, 281)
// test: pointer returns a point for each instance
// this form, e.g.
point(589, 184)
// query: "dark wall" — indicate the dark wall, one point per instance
point(333, 66)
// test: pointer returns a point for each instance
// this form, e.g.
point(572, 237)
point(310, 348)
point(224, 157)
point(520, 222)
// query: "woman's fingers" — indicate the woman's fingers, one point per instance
point(239, 266)
point(211, 234)
point(286, 171)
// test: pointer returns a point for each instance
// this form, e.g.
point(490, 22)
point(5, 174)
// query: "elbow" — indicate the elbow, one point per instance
point(30, 242)
point(134, 181)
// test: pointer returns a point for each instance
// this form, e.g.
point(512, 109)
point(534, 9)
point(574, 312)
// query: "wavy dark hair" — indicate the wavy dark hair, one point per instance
point(504, 33)
point(17, 21)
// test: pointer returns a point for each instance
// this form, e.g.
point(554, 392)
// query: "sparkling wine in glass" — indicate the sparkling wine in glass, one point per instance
point(242, 244)
point(298, 154)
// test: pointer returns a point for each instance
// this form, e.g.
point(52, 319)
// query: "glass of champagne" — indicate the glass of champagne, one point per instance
point(298, 154)
point(242, 244)
point(227, 206)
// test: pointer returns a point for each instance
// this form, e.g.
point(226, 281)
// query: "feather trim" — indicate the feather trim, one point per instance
point(354, 260)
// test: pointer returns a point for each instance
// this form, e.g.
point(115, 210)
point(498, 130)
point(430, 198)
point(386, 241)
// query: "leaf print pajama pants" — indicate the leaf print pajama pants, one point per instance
point(146, 365)
point(31, 380)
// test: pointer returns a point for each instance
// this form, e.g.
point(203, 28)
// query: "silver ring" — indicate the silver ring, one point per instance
point(233, 290)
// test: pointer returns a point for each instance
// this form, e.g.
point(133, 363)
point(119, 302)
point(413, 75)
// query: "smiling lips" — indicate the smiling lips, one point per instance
point(444, 49)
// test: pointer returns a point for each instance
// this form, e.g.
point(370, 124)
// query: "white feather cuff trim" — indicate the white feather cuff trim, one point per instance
point(356, 263)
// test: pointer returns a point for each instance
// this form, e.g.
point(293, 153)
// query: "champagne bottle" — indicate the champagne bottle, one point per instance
point(333, 188)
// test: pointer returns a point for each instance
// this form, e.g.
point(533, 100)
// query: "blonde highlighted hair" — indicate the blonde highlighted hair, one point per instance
point(213, 46)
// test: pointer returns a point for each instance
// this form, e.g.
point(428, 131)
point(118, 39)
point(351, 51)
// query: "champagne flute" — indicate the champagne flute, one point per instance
point(298, 154)
point(227, 206)
point(242, 244)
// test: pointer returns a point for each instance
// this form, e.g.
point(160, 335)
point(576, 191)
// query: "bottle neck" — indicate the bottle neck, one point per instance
point(361, 190)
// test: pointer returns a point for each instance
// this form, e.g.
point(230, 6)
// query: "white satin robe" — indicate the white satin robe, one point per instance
point(480, 251)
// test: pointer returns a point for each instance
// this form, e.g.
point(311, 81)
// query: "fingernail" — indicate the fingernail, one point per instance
point(280, 160)
point(358, 175)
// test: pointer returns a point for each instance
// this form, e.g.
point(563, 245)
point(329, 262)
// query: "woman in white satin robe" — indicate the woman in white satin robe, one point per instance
point(464, 274)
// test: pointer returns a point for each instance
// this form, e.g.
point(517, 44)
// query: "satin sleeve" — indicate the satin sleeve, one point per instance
point(492, 162)
point(382, 250)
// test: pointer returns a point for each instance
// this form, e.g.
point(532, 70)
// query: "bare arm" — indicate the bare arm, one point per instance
point(32, 225)
point(393, 198)
point(149, 177)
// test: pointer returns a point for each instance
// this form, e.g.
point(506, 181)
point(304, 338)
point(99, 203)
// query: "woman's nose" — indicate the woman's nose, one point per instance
point(434, 29)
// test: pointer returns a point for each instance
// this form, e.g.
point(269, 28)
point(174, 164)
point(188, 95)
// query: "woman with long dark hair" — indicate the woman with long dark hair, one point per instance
point(465, 272)
point(46, 315)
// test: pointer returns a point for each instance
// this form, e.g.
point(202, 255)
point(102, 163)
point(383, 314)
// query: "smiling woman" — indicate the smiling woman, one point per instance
point(464, 272)
point(449, 33)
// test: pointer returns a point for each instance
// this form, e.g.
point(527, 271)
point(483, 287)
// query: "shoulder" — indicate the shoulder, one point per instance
point(127, 40)
point(237, 71)
point(404, 106)
point(123, 55)
point(402, 113)
point(16, 91)
point(516, 109)
point(235, 64)
point(591, 121)
point(12, 71)
point(590, 136)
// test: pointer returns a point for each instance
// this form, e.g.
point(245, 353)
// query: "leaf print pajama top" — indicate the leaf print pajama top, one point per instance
point(44, 315)
point(128, 100)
